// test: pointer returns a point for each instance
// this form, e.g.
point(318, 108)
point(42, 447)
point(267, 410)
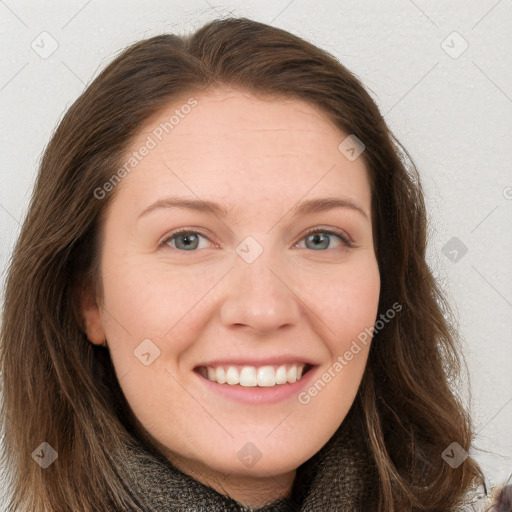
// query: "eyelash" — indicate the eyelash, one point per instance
point(327, 231)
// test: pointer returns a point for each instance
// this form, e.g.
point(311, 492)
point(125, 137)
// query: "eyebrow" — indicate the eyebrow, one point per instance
point(302, 208)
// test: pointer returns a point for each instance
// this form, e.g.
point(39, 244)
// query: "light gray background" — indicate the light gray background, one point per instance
point(451, 109)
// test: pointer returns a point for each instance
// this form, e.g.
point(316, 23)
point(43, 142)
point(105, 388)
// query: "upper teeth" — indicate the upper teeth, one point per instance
point(250, 376)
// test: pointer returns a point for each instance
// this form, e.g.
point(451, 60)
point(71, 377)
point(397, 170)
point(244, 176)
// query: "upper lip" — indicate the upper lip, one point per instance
point(268, 361)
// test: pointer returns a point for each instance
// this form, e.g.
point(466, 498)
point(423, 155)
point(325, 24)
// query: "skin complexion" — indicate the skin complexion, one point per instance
point(258, 281)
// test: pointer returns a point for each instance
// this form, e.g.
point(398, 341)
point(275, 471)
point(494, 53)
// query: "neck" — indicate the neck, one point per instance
point(247, 490)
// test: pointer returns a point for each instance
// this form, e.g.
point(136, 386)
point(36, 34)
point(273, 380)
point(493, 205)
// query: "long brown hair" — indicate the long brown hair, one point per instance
point(60, 389)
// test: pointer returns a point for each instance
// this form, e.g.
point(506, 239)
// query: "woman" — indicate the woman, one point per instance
point(219, 299)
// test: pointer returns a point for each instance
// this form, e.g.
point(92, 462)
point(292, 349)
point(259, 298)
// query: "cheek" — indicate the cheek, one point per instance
point(159, 304)
point(345, 300)
point(141, 296)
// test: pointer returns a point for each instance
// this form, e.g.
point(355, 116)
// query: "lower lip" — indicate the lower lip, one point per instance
point(260, 395)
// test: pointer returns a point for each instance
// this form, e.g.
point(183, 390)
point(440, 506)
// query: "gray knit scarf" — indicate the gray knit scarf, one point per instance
point(340, 477)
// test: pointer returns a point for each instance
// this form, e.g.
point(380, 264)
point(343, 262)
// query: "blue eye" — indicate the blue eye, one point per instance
point(322, 239)
point(316, 239)
point(184, 240)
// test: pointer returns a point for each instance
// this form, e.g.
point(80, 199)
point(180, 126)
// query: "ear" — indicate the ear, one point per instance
point(90, 314)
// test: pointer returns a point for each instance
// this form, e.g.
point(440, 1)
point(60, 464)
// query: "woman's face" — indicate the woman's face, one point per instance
point(247, 289)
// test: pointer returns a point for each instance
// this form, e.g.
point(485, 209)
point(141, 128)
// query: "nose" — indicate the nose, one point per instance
point(260, 296)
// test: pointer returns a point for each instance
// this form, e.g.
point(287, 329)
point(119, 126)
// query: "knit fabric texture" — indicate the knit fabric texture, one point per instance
point(339, 477)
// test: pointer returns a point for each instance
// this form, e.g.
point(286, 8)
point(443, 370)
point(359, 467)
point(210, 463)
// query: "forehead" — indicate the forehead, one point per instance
point(232, 115)
point(232, 145)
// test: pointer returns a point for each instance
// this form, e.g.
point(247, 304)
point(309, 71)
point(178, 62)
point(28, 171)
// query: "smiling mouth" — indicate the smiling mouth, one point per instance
point(255, 376)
